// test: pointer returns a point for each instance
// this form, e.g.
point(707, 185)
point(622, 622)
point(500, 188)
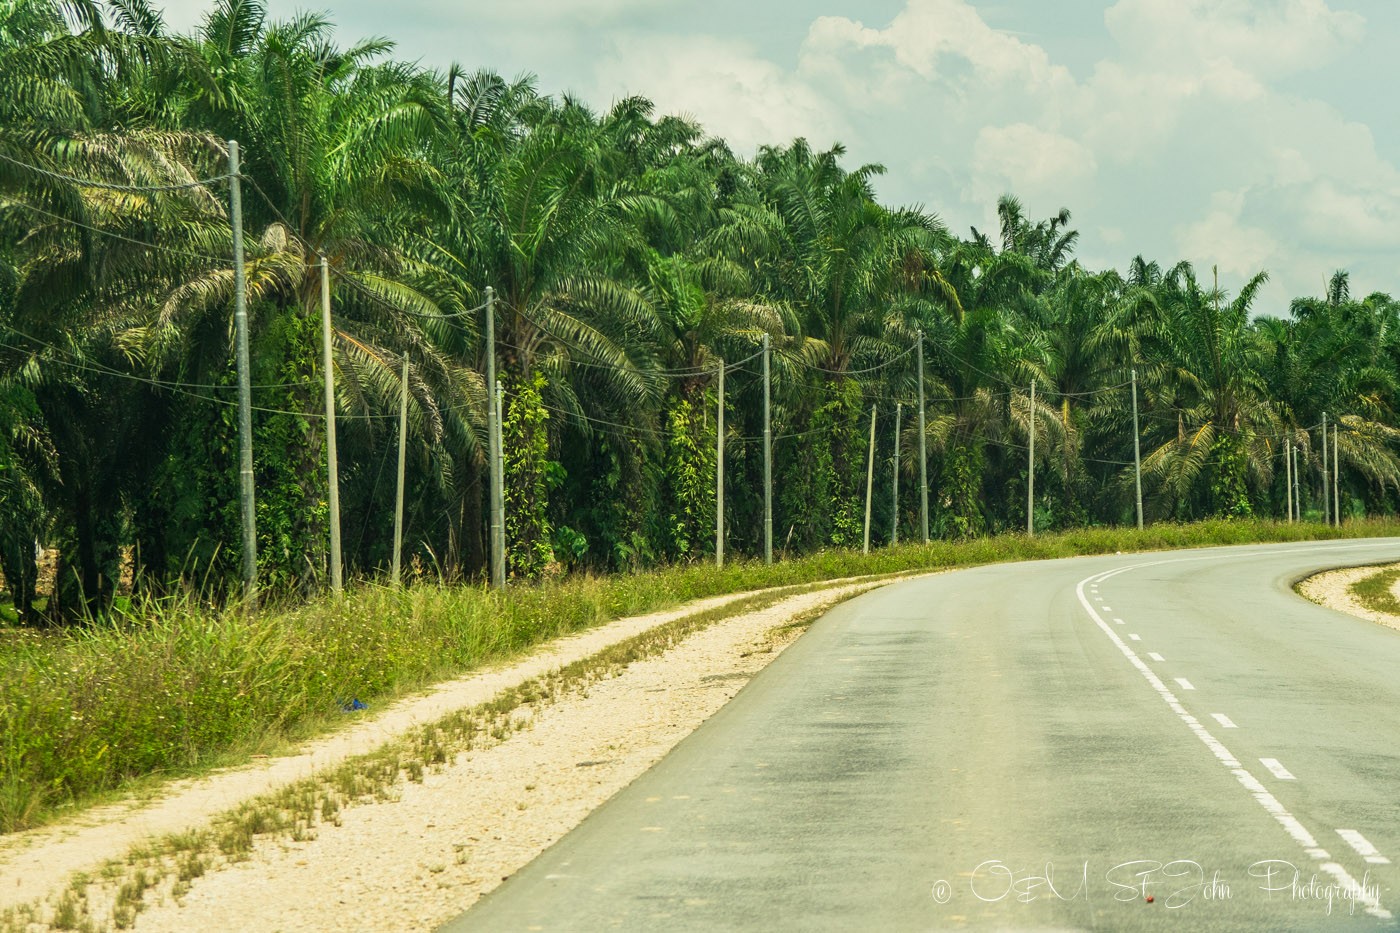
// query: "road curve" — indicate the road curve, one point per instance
point(1027, 746)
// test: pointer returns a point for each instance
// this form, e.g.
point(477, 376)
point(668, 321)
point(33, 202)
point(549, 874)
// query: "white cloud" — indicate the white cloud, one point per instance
point(1186, 138)
point(1179, 143)
point(1265, 39)
point(733, 91)
point(1223, 239)
point(1028, 160)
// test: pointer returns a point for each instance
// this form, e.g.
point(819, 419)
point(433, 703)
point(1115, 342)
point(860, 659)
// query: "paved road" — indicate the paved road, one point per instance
point(1028, 747)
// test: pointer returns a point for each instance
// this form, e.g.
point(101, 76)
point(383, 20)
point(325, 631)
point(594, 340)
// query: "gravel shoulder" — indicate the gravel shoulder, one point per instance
point(437, 845)
point(1333, 590)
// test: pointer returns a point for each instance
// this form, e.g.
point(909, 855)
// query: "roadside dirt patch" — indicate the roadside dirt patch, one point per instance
point(432, 846)
point(1333, 590)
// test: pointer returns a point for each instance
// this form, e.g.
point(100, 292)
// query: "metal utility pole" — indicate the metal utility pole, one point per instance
point(767, 454)
point(894, 483)
point(869, 479)
point(245, 390)
point(1326, 492)
point(923, 446)
point(1288, 477)
point(403, 452)
point(1336, 477)
point(332, 466)
point(719, 473)
point(493, 452)
point(1137, 452)
point(1030, 471)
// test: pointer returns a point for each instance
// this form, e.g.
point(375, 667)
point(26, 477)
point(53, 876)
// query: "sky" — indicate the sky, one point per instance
point(1245, 135)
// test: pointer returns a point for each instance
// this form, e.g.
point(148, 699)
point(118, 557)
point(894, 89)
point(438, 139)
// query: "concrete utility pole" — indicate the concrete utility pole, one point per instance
point(767, 454)
point(501, 472)
point(719, 473)
point(894, 482)
point(493, 451)
point(1030, 470)
point(1297, 488)
point(332, 465)
point(1288, 477)
point(1326, 492)
point(403, 453)
point(247, 506)
point(869, 479)
point(923, 447)
point(1336, 477)
point(1137, 452)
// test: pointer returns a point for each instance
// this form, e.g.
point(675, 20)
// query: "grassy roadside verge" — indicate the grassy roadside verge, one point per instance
point(1375, 591)
point(185, 689)
point(166, 867)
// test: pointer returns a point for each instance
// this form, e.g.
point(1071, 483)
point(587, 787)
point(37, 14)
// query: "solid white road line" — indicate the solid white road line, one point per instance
point(1224, 721)
point(1185, 684)
point(1261, 794)
point(1363, 847)
point(1155, 656)
point(1278, 770)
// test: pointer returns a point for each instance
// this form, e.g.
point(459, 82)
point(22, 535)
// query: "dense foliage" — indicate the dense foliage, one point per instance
point(632, 256)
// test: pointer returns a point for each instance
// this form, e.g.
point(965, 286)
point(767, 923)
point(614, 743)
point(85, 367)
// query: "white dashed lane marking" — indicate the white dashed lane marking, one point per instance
point(1363, 847)
point(1135, 637)
point(1278, 770)
point(1155, 656)
point(1223, 720)
point(1185, 684)
point(1362, 895)
point(1117, 621)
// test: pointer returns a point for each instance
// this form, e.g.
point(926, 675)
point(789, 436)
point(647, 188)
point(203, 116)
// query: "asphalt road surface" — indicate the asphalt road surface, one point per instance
point(1036, 746)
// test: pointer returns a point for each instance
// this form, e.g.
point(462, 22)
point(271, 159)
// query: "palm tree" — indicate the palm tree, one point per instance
point(1209, 418)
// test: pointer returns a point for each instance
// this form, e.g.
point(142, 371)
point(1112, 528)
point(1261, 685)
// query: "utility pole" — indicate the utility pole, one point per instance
point(245, 391)
point(1030, 471)
point(493, 450)
point(332, 466)
point(719, 473)
point(767, 454)
point(1137, 452)
point(1297, 487)
point(501, 472)
point(894, 483)
point(1336, 477)
point(1326, 492)
point(923, 446)
point(1288, 477)
point(403, 451)
point(869, 479)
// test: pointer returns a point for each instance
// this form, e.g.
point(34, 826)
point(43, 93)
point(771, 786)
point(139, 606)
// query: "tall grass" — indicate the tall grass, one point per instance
point(175, 687)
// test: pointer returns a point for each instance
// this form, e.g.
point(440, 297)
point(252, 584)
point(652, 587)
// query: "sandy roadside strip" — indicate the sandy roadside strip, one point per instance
point(1333, 590)
point(37, 863)
point(420, 860)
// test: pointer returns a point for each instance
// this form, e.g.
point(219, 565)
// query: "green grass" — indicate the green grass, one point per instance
point(299, 811)
point(1375, 591)
point(177, 688)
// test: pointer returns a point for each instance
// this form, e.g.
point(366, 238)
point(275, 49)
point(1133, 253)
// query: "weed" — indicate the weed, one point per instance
point(1377, 591)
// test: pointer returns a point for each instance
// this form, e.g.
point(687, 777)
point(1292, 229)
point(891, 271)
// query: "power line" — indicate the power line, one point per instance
point(857, 372)
point(222, 262)
point(154, 381)
point(113, 186)
point(179, 387)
